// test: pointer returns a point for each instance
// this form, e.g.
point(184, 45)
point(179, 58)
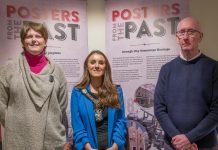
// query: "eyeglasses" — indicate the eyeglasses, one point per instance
point(190, 32)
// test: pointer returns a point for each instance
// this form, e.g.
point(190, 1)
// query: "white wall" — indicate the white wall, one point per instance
point(96, 24)
point(205, 11)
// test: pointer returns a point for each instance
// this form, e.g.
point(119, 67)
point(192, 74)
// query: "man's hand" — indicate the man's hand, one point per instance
point(181, 142)
point(194, 147)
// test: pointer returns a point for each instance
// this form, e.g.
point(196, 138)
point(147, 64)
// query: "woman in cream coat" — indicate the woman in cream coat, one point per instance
point(33, 96)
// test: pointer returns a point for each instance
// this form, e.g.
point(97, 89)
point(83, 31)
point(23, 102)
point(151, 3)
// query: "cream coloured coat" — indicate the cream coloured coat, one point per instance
point(32, 106)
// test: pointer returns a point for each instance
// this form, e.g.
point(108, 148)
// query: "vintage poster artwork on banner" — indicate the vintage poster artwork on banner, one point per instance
point(140, 38)
point(66, 21)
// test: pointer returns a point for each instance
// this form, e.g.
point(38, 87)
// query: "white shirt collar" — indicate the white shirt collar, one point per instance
point(182, 57)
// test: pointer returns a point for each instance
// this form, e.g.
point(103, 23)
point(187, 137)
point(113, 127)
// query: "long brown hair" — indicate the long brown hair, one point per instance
point(107, 93)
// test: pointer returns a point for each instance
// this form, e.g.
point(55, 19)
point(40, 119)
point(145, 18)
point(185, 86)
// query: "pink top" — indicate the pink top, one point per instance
point(36, 62)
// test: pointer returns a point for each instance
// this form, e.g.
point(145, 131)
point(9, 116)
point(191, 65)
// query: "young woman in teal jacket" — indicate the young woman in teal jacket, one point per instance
point(97, 108)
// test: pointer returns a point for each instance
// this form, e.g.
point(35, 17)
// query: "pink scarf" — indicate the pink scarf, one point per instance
point(36, 62)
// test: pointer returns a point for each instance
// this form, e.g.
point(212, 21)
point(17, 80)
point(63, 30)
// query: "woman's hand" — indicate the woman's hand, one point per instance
point(113, 147)
point(67, 146)
point(88, 147)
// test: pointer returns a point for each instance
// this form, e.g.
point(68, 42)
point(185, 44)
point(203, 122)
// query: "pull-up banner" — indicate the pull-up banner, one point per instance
point(140, 38)
point(66, 21)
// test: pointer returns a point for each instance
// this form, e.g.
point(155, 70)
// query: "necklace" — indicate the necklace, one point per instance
point(98, 115)
point(98, 111)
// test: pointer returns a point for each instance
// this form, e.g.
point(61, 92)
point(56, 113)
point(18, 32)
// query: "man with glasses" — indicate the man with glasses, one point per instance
point(186, 94)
